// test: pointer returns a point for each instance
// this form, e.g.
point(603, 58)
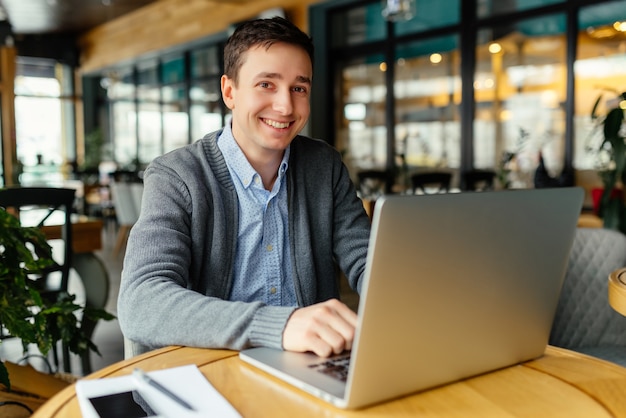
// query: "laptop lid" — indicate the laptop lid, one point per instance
point(455, 285)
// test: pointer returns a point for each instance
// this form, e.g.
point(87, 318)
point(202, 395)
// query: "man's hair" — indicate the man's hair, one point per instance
point(263, 33)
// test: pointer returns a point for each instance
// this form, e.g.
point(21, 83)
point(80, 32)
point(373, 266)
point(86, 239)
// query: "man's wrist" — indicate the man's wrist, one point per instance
point(268, 326)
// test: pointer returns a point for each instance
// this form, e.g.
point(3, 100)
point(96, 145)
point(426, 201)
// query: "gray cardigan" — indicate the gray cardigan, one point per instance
point(178, 268)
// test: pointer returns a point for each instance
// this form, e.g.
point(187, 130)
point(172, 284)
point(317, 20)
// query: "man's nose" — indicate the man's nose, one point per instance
point(283, 102)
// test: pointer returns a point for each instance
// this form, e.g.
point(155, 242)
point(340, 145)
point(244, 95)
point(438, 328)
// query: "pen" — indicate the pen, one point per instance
point(142, 376)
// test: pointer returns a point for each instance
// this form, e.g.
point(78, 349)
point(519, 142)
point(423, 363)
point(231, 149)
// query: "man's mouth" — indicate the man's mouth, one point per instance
point(276, 124)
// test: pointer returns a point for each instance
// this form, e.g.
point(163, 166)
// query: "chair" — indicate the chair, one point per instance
point(584, 320)
point(136, 190)
point(617, 291)
point(125, 212)
point(479, 180)
point(431, 182)
point(34, 206)
point(374, 183)
point(95, 278)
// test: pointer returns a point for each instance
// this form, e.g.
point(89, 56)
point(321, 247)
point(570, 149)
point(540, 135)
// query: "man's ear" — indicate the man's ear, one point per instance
point(228, 85)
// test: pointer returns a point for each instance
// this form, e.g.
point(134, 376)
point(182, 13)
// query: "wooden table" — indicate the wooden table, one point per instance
point(86, 233)
point(589, 220)
point(562, 383)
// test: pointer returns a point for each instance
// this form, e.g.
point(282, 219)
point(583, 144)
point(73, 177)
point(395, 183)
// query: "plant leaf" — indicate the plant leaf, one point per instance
point(4, 376)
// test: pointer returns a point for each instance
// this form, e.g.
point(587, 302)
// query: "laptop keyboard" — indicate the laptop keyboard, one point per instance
point(336, 367)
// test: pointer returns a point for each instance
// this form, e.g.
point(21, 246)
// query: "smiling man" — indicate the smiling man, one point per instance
point(240, 233)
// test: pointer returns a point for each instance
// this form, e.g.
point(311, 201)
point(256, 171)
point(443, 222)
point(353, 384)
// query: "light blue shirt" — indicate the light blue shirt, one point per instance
point(262, 261)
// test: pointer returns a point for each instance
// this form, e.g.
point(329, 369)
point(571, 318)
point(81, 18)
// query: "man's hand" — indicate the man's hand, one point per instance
point(325, 328)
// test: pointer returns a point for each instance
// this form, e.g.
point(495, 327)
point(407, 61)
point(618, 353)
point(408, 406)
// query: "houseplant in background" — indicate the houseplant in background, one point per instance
point(24, 313)
point(612, 159)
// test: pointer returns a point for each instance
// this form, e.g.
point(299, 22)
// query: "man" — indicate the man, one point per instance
point(240, 232)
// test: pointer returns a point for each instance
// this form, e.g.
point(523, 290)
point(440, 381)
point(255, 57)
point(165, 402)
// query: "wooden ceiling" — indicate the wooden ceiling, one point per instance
point(63, 16)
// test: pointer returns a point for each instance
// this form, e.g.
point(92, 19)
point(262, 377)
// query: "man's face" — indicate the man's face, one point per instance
point(270, 103)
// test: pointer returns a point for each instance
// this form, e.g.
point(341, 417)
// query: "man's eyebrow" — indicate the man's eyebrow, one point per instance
point(299, 79)
point(303, 79)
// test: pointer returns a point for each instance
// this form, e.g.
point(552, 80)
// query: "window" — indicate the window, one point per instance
point(362, 135)
point(519, 87)
point(163, 103)
point(430, 15)
point(487, 8)
point(427, 91)
point(121, 93)
point(44, 117)
point(207, 110)
point(174, 97)
point(600, 70)
point(358, 25)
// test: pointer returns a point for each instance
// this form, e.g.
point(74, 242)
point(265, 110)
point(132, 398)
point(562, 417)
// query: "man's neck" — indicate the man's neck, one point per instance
point(266, 165)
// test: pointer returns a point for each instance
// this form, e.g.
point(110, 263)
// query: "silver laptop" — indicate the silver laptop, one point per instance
point(455, 285)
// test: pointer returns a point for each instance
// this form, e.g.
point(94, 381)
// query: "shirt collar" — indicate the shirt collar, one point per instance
point(237, 162)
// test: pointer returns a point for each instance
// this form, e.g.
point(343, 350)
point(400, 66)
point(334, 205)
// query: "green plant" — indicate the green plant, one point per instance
point(612, 171)
point(94, 149)
point(24, 313)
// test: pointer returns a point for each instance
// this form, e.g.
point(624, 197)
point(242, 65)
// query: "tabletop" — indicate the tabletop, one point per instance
point(561, 383)
point(86, 233)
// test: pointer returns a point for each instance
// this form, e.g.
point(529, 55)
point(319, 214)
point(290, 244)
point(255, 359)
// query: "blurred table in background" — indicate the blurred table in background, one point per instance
point(86, 233)
point(589, 220)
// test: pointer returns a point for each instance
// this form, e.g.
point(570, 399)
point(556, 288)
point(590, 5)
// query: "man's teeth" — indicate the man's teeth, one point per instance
point(278, 125)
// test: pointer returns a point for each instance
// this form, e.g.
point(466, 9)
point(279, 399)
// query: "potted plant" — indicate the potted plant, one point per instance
point(24, 313)
point(612, 157)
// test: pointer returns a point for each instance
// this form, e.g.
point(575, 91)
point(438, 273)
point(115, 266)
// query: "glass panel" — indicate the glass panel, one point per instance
point(431, 15)
point(149, 116)
point(124, 136)
point(427, 92)
point(174, 93)
point(358, 25)
point(173, 70)
point(600, 69)
point(486, 8)
point(520, 89)
point(205, 62)
point(147, 88)
point(36, 77)
point(44, 93)
point(362, 136)
point(206, 109)
point(119, 85)
point(39, 146)
point(175, 117)
point(149, 132)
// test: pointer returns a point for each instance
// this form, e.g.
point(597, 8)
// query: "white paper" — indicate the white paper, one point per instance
point(187, 382)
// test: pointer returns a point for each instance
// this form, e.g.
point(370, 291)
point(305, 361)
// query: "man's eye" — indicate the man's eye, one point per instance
point(264, 84)
point(300, 89)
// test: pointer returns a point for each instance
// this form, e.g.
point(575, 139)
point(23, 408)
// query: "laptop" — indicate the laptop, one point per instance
point(455, 285)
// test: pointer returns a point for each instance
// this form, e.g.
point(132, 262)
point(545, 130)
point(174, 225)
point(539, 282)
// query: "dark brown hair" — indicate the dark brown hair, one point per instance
point(265, 33)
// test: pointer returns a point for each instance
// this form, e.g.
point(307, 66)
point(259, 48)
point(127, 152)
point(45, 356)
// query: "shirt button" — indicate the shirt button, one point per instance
point(269, 247)
point(273, 290)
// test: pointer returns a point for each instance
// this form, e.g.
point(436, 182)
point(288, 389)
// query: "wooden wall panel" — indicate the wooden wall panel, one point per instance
point(168, 23)
point(7, 107)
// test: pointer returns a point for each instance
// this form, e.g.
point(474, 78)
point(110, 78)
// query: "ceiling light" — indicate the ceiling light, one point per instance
point(435, 58)
point(620, 26)
point(495, 47)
